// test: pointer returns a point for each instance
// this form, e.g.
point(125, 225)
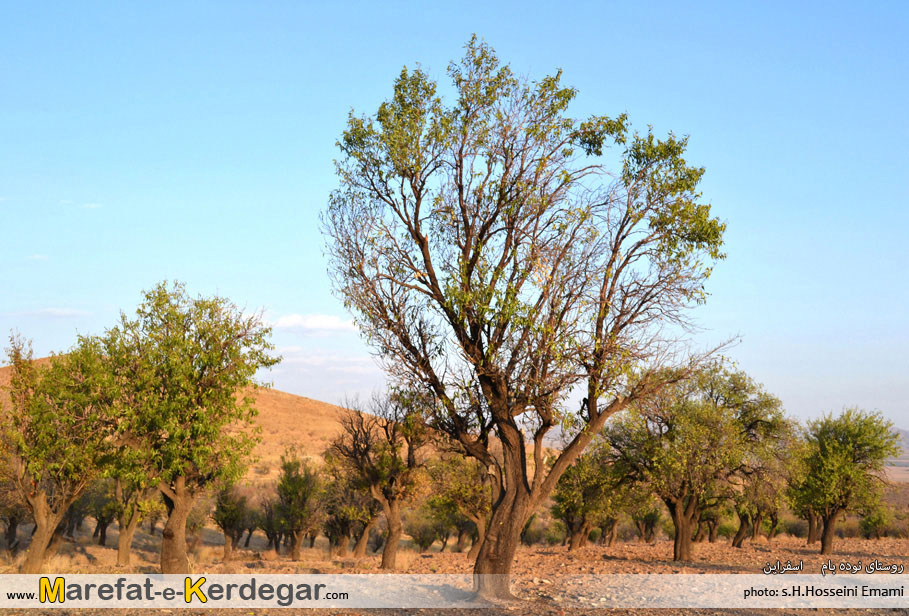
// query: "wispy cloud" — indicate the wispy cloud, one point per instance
point(314, 323)
point(54, 313)
point(37, 257)
point(91, 206)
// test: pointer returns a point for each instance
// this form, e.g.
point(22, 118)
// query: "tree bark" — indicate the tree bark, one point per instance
point(12, 527)
point(47, 524)
point(756, 526)
point(363, 540)
point(742, 532)
point(173, 542)
point(461, 543)
point(492, 571)
point(102, 535)
point(682, 515)
point(125, 538)
point(392, 510)
point(714, 526)
point(480, 522)
point(296, 541)
point(827, 534)
point(812, 527)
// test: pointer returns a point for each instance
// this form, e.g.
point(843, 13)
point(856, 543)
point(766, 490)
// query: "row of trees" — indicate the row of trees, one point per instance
point(716, 442)
point(147, 404)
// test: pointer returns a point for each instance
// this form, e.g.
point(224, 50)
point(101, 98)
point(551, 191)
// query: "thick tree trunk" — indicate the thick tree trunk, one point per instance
point(812, 527)
point(363, 540)
point(228, 547)
point(742, 532)
point(576, 535)
point(393, 517)
point(47, 529)
point(343, 545)
point(173, 542)
point(682, 516)
point(774, 526)
point(492, 571)
point(701, 533)
point(827, 534)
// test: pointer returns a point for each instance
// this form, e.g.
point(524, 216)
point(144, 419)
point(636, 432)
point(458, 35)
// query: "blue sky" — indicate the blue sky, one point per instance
point(194, 141)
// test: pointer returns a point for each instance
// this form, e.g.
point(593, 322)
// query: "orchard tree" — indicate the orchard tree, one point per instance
point(300, 505)
point(466, 485)
point(56, 433)
point(186, 367)
point(485, 244)
point(844, 466)
point(694, 439)
point(381, 445)
point(588, 495)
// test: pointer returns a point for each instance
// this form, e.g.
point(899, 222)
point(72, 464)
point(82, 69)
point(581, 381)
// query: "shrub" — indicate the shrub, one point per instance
point(555, 533)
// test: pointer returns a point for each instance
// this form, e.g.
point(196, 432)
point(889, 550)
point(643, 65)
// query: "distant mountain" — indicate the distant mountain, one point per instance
point(903, 458)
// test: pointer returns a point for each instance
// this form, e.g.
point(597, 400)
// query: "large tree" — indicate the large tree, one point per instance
point(56, 433)
point(185, 366)
point(486, 244)
point(843, 466)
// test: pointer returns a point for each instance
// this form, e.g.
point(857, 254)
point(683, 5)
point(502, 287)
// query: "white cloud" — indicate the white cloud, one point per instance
point(37, 257)
point(56, 313)
point(315, 323)
point(91, 206)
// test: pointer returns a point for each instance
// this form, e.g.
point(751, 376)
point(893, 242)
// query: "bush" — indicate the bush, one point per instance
point(555, 533)
point(423, 529)
point(874, 523)
point(727, 530)
point(795, 527)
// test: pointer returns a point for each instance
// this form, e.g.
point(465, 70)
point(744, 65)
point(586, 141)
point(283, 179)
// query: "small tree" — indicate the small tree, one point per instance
point(300, 491)
point(56, 433)
point(463, 483)
point(185, 367)
point(589, 494)
point(381, 444)
point(102, 506)
point(230, 515)
point(844, 465)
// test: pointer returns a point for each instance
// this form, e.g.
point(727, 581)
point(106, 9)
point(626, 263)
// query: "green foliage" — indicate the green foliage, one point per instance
point(300, 490)
point(843, 462)
point(589, 492)
point(875, 521)
point(57, 431)
point(231, 512)
point(425, 526)
point(183, 365)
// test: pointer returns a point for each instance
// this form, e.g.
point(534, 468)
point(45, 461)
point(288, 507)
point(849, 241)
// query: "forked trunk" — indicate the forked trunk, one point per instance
point(296, 542)
point(173, 536)
point(714, 526)
point(827, 534)
point(47, 529)
point(756, 526)
point(393, 517)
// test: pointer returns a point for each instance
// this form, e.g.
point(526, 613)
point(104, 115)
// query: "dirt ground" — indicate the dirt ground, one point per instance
point(536, 575)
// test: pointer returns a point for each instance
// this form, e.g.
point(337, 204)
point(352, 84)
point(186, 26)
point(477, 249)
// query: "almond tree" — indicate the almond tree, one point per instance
point(488, 244)
point(56, 434)
point(381, 445)
point(186, 367)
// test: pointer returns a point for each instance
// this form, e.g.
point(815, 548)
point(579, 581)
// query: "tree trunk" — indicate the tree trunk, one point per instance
point(701, 533)
point(812, 527)
point(395, 530)
point(492, 571)
point(756, 526)
point(480, 538)
point(47, 524)
point(462, 540)
point(610, 535)
point(102, 536)
point(575, 535)
point(125, 538)
point(228, 548)
point(343, 545)
point(12, 526)
point(774, 526)
point(742, 532)
point(714, 526)
point(249, 535)
point(827, 534)
point(173, 542)
point(296, 540)
point(363, 540)
point(682, 516)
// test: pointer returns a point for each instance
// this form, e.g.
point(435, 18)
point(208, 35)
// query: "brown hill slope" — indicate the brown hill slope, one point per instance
point(284, 419)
